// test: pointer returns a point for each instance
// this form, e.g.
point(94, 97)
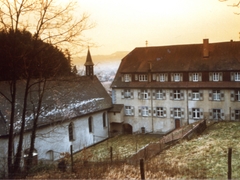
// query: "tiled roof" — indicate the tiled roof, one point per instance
point(63, 100)
point(180, 58)
point(223, 56)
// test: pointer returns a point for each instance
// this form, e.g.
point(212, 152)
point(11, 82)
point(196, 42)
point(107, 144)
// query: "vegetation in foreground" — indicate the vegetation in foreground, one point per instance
point(202, 157)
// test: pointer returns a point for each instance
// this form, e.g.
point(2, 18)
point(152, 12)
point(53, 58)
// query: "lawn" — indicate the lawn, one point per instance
point(123, 146)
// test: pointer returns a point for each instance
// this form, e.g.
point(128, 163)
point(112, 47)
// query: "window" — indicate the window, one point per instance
point(163, 77)
point(237, 76)
point(176, 94)
point(177, 112)
point(195, 77)
point(129, 110)
point(216, 95)
point(127, 93)
point(235, 95)
point(215, 76)
point(235, 114)
point(71, 131)
point(195, 113)
point(159, 112)
point(195, 95)
point(144, 111)
point(216, 114)
point(176, 77)
point(160, 94)
point(104, 120)
point(90, 124)
point(127, 78)
point(143, 77)
point(144, 94)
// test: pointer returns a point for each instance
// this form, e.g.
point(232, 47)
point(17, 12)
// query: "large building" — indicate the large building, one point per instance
point(158, 89)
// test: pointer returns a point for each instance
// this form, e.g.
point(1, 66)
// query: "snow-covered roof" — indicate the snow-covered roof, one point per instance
point(63, 99)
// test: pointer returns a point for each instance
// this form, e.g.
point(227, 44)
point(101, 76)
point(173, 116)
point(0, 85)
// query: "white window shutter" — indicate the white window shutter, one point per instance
point(154, 94)
point(182, 94)
point(154, 77)
point(210, 76)
point(149, 95)
point(201, 95)
point(122, 93)
point(190, 77)
point(222, 114)
point(149, 111)
point(181, 77)
point(136, 77)
point(210, 114)
point(122, 78)
point(131, 94)
point(164, 94)
point(164, 112)
point(190, 113)
point(182, 112)
point(140, 111)
point(166, 77)
point(232, 114)
point(171, 94)
point(189, 94)
point(139, 95)
point(232, 95)
point(172, 77)
point(222, 95)
point(201, 113)
point(154, 112)
point(220, 76)
point(130, 77)
point(171, 112)
point(132, 110)
point(232, 76)
point(210, 95)
point(200, 76)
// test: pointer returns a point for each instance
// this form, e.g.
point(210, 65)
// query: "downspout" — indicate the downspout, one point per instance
point(152, 110)
point(187, 108)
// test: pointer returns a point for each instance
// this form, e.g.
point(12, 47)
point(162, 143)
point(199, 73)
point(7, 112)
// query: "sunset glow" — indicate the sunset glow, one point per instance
point(124, 25)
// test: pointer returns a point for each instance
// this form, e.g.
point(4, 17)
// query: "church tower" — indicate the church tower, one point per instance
point(89, 65)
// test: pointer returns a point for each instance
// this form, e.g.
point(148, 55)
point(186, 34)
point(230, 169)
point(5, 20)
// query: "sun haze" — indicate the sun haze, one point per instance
point(126, 24)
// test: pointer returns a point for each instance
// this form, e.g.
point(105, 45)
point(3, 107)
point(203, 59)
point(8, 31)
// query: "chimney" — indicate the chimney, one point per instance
point(205, 48)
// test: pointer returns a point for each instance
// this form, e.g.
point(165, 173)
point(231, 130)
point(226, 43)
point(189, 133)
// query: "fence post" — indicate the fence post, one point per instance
point(71, 156)
point(229, 163)
point(142, 169)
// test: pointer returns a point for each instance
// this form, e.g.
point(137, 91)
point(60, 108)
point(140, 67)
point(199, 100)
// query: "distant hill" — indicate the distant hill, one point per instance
point(117, 56)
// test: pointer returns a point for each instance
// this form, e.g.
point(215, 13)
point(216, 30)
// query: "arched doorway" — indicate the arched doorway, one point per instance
point(127, 128)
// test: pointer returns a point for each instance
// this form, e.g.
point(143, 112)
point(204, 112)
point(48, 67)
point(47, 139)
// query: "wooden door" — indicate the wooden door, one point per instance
point(177, 123)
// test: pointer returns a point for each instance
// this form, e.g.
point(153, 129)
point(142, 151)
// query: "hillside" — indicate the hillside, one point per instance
point(203, 157)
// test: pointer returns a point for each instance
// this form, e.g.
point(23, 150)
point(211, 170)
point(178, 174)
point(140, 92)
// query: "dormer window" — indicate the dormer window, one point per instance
point(127, 78)
point(215, 76)
point(195, 77)
point(143, 77)
point(176, 77)
point(235, 76)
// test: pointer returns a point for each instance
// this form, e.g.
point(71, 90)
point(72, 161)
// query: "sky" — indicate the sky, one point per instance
point(122, 25)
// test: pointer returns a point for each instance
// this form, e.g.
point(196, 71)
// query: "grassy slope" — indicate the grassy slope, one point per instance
point(202, 157)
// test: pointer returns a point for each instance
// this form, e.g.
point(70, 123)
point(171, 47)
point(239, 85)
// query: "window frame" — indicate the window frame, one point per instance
point(129, 110)
point(143, 77)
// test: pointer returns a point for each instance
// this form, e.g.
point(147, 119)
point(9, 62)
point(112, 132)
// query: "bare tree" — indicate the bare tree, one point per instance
point(53, 23)
point(237, 5)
